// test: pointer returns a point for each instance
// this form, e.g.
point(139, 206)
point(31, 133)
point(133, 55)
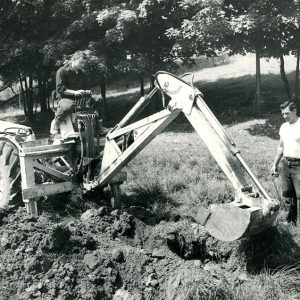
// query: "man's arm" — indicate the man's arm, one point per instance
point(278, 155)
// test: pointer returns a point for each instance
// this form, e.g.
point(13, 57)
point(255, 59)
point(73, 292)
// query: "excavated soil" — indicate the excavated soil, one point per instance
point(105, 254)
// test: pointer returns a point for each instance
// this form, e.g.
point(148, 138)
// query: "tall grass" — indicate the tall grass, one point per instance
point(280, 284)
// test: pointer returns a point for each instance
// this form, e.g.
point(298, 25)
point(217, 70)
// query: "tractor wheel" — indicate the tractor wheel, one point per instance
point(116, 195)
point(10, 175)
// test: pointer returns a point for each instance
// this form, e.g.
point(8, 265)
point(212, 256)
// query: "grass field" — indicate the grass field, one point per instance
point(175, 174)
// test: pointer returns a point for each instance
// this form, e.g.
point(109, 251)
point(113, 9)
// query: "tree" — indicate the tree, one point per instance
point(263, 27)
point(203, 33)
point(134, 38)
point(34, 37)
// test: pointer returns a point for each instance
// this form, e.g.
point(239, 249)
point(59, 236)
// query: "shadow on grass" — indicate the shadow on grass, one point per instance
point(151, 205)
point(269, 129)
point(230, 100)
point(73, 203)
point(269, 250)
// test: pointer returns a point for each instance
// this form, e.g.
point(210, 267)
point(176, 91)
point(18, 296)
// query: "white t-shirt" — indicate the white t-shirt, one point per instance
point(290, 135)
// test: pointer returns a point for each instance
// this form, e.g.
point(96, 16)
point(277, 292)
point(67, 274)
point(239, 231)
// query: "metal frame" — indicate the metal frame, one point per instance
point(30, 159)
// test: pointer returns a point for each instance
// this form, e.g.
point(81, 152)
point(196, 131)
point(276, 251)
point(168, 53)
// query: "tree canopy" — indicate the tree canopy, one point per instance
point(142, 36)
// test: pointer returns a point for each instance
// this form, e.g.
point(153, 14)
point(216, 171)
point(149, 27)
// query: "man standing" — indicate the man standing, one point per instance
point(71, 82)
point(288, 152)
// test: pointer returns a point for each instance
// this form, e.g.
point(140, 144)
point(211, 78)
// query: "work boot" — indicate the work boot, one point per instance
point(54, 127)
point(103, 130)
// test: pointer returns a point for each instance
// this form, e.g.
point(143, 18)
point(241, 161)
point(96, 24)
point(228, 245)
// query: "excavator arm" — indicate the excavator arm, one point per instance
point(252, 211)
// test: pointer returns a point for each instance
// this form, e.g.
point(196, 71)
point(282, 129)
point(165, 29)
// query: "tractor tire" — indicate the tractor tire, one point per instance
point(10, 175)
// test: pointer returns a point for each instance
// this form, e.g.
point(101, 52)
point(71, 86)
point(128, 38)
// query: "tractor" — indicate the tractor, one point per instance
point(80, 156)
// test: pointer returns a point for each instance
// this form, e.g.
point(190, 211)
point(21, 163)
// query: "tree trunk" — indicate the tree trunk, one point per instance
point(284, 78)
point(297, 82)
point(105, 115)
point(30, 98)
point(155, 105)
point(26, 93)
point(23, 94)
point(41, 89)
point(127, 78)
point(142, 87)
point(257, 99)
point(44, 106)
point(47, 92)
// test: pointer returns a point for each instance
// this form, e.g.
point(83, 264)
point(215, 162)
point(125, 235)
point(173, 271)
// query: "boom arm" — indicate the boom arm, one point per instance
point(185, 98)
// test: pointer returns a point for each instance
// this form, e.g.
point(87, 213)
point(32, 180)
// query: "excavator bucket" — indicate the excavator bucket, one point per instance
point(253, 211)
point(230, 222)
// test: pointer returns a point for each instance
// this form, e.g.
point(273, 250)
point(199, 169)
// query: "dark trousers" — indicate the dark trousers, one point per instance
point(290, 184)
point(66, 106)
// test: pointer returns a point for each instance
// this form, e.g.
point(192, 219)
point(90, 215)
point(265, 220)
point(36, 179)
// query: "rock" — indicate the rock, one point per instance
point(91, 260)
point(115, 212)
point(151, 280)
point(159, 253)
point(46, 264)
point(32, 265)
point(154, 282)
point(87, 215)
point(102, 211)
point(58, 237)
point(5, 242)
point(149, 269)
point(118, 255)
point(122, 294)
point(29, 250)
point(30, 218)
point(124, 226)
point(197, 263)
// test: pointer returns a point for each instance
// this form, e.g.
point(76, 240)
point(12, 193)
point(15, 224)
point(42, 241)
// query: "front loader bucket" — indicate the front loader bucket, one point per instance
point(230, 221)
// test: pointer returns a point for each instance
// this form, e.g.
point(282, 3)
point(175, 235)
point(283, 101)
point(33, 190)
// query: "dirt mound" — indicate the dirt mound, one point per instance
point(110, 255)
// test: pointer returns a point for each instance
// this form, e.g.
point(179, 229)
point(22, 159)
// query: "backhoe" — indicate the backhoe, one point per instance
point(79, 156)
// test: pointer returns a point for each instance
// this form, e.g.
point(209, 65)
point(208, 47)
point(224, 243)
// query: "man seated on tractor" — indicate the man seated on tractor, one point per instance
point(71, 82)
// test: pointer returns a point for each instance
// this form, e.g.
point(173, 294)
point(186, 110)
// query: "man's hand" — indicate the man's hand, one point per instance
point(274, 171)
point(78, 92)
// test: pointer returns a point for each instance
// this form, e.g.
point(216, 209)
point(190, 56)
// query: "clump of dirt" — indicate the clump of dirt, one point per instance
point(109, 255)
